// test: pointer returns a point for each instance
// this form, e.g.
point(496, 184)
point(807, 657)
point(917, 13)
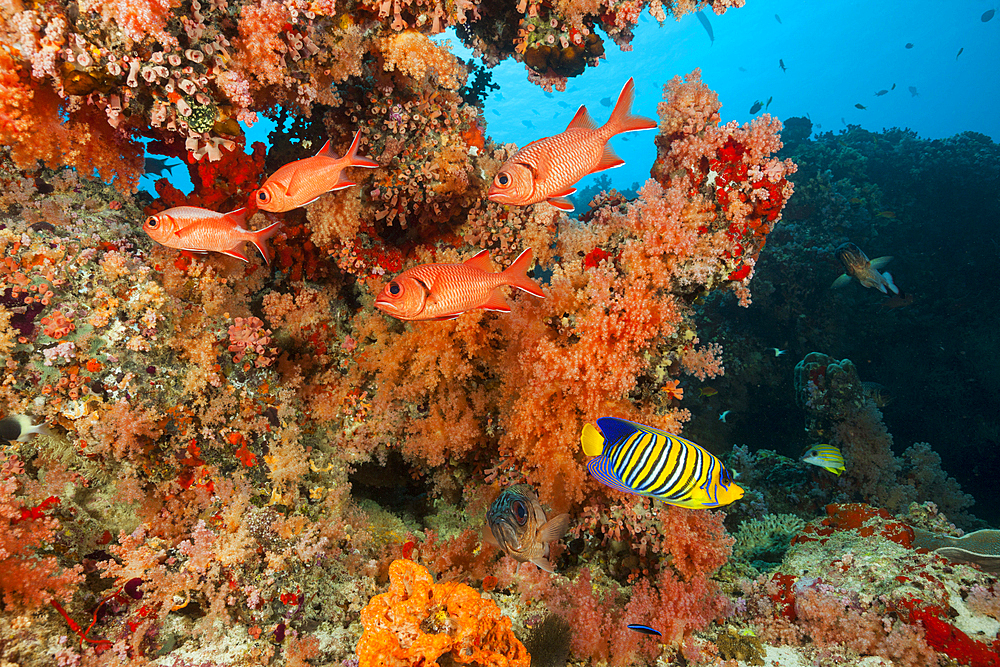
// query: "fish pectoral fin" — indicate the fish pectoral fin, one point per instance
point(553, 529)
point(489, 538)
point(297, 181)
point(560, 203)
point(480, 261)
point(879, 262)
point(841, 281)
point(608, 160)
point(495, 301)
point(543, 564)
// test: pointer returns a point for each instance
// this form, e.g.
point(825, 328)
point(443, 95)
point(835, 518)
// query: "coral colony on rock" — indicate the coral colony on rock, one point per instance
point(214, 461)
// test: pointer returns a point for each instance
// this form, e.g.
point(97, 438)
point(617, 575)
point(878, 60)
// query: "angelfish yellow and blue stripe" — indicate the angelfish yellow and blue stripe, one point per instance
point(646, 461)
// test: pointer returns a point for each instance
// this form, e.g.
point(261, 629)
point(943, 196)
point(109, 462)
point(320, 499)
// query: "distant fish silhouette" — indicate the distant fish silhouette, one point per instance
point(564, 105)
point(495, 112)
point(535, 111)
point(781, 64)
point(499, 95)
point(861, 106)
point(606, 101)
point(767, 106)
point(959, 52)
point(909, 45)
point(155, 165)
point(705, 24)
point(528, 123)
point(549, 95)
point(987, 15)
point(893, 87)
point(743, 69)
point(881, 93)
point(778, 18)
point(757, 106)
point(913, 91)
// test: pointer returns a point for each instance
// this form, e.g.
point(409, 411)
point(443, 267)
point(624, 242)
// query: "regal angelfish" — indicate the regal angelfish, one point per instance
point(646, 461)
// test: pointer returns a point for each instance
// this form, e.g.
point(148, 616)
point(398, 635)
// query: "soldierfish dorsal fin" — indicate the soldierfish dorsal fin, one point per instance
point(622, 119)
point(582, 120)
point(327, 151)
point(481, 262)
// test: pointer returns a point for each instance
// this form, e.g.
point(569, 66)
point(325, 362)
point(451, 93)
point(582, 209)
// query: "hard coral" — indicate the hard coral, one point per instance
point(417, 622)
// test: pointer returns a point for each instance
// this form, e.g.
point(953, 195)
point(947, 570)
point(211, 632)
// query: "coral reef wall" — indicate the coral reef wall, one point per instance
point(217, 430)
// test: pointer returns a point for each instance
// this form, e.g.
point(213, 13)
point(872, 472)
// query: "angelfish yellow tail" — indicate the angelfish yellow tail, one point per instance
point(592, 440)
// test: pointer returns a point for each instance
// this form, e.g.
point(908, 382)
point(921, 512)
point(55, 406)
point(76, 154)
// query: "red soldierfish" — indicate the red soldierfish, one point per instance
point(304, 181)
point(545, 170)
point(445, 291)
point(200, 230)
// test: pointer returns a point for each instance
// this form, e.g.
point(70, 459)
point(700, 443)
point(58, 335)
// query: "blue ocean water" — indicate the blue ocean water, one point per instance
point(836, 55)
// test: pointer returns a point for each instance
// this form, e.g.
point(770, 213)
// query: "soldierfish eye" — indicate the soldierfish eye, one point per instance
point(152, 222)
point(503, 179)
point(394, 288)
point(520, 512)
point(264, 196)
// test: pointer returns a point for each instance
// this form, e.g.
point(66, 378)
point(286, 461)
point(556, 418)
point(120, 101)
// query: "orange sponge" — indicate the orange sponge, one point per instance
point(417, 621)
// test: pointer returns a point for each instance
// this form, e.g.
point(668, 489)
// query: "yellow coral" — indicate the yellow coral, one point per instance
point(413, 54)
point(417, 621)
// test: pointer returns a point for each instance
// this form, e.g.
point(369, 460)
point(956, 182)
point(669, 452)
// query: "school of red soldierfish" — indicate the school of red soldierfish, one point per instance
point(543, 171)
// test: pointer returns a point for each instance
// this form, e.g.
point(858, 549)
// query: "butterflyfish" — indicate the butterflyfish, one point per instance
point(827, 457)
point(646, 461)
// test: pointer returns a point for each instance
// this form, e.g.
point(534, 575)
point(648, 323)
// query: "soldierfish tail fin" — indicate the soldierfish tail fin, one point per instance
point(357, 160)
point(516, 275)
point(622, 119)
point(259, 238)
point(892, 285)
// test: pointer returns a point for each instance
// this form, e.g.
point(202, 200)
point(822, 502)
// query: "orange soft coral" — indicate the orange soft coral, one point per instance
point(417, 621)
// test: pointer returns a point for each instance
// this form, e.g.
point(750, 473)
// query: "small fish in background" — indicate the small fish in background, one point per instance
point(605, 101)
point(757, 106)
point(548, 95)
point(199, 230)
point(825, 456)
point(893, 87)
point(494, 112)
point(778, 352)
point(987, 15)
point(545, 170)
point(909, 45)
point(304, 181)
point(777, 18)
point(706, 25)
point(913, 91)
point(564, 105)
point(724, 415)
point(645, 629)
point(707, 392)
point(881, 93)
point(536, 112)
point(877, 393)
point(886, 214)
point(157, 165)
point(768, 105)
point(646, 461)
point(445, 291)
point(861, 106)
point(743, 69)
point(781, 64)
point(18, 428)
point(516, 523)
point(959, 52)
point(864, 270)
point(528, 124)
